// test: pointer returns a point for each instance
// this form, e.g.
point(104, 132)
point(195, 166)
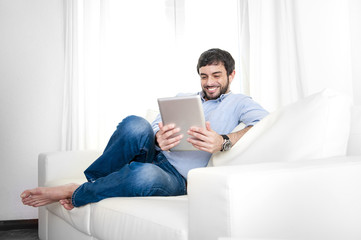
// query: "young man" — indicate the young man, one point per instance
point(136, 161)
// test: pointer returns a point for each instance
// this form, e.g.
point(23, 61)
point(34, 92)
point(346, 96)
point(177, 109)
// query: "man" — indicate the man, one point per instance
point(136, 161)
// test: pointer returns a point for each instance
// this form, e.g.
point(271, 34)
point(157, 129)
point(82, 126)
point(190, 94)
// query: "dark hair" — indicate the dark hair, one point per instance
point(215, 56)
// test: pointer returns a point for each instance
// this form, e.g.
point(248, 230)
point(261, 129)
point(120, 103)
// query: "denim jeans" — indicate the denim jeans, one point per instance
point(130, 166)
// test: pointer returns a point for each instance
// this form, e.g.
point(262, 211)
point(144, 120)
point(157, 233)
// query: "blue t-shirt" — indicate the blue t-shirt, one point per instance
point(224, 114)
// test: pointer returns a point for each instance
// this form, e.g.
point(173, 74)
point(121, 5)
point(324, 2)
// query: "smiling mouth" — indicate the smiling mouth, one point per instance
point(212, 89)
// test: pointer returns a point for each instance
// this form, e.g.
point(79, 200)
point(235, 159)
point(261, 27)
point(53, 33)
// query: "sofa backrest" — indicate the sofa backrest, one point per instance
point(354, 142)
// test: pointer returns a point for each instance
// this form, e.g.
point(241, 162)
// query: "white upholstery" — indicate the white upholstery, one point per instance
point(58, 168)
point(53, 167)
point(315, 127)
point(315, 199)
point(79, 217)
point(311, 200)
point(58, 229)
point(306, 199)
point(141, 218)
point(113, 218)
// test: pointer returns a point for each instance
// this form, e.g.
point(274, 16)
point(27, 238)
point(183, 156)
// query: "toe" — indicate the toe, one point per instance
point(25, 194)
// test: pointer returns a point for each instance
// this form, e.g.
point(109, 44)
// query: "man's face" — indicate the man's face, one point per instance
point(214, 80)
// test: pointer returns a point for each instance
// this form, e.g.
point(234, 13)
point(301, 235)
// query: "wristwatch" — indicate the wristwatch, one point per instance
point(227, 144)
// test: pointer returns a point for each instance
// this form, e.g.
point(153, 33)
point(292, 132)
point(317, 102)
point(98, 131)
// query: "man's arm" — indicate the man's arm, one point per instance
point(210, 141)
point(235, 136)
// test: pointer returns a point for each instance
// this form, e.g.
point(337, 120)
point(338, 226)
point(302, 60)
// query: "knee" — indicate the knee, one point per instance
point(135, 125)
point(147, 173)
point(151, 180)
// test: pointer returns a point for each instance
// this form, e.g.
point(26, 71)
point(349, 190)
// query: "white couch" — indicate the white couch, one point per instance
point(310, 198)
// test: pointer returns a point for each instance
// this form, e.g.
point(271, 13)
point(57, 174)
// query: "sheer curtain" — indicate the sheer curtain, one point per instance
point(296, 48)
point(81, 106)
point(122, 55)
point(114, 65)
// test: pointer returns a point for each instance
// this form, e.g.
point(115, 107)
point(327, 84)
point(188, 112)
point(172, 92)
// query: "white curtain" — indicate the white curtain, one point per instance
point(355, 27)
point(207, 24)
point(72, 81)
point(117, 62)
point(81, 107)
point(122, 55)
point(296, 48)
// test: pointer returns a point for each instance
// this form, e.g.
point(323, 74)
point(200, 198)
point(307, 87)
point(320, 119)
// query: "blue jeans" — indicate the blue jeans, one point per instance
point(130, 166)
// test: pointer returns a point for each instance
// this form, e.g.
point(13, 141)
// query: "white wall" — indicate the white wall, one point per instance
point(31, 74)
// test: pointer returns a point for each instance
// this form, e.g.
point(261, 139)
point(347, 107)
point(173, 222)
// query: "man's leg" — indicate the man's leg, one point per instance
point(134, 179)
point(133, 140)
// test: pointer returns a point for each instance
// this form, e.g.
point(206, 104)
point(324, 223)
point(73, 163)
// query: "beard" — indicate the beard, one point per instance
point(223, 90)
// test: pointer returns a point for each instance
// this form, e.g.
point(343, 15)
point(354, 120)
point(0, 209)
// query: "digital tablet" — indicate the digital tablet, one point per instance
point(184, 112)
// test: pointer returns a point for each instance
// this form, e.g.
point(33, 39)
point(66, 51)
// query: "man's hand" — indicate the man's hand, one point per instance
point(205, 139)
point(164, 139)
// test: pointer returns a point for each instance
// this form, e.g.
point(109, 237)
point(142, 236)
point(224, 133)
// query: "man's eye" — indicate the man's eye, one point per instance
point(217, 76)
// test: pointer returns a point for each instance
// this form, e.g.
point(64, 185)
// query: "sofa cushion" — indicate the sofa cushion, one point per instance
point(79, 218)
point(140, 218)
point(314, 127)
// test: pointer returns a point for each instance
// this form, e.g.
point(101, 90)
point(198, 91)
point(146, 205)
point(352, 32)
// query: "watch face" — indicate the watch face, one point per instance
point(227, 145)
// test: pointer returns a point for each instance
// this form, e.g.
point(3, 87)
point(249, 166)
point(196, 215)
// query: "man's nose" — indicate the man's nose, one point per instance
point(211, 80)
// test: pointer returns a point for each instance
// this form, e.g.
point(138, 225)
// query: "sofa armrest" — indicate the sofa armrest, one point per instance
point(314, 199)
point(65, 164)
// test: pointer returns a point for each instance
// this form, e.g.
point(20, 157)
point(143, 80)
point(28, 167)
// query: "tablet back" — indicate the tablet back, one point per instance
point(184, 112)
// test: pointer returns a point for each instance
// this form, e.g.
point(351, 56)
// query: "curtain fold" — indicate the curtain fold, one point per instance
point(275, 75)
point(115, 65)
point(296, 48)
point(80, 123)
point(244, 45)
point(72, 91)
point(120, 56)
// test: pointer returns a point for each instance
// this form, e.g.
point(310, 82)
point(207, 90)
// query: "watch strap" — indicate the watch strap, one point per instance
point(225, 137)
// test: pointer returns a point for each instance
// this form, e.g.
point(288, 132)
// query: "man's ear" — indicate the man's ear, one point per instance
point(231, 76)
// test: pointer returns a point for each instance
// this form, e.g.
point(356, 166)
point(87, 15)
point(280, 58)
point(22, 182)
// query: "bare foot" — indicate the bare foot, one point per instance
point(66, 204)
point(45, 195)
